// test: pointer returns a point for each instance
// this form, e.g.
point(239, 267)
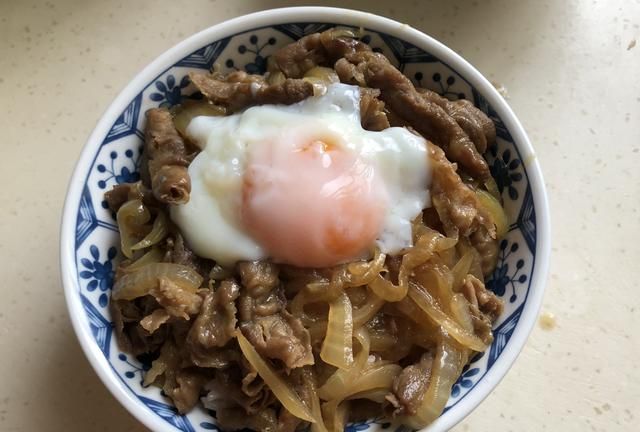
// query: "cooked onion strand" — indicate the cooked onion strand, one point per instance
point(158, 232)
point(425, 302)
point(282, 391)
point(139, 283)
point(337, 348)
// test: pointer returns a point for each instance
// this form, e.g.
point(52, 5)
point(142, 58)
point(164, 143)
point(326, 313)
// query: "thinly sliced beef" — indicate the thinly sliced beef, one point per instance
point(481, 325)
point(259, 278)
point(167, 158)
point(298, 57)
point(359, 410)
point(427, 117)
point(185, 390)
point(372, 115)
point(216, 323)
point(226, 392)
point(132, 337)
point(216, 358)
point(265, 322)
point(287, 422)
point(182, 385)
point(410, 386)
point(349, 73)
point(280, 336)
point(318, 49)
point(154, 320)
point(178, 252)
point(123, 192)
point(488, 249)
point(485, 307)
point(478, 127)
point(233, 419)
point(252, 384)
point(177, 301)
point(478, 295)
point(239, 90)
point(456, 203)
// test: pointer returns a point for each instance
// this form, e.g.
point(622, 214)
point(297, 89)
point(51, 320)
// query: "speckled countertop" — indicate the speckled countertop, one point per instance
point(572, 76)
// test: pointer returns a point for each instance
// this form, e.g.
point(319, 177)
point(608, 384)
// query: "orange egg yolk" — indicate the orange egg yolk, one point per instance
point(315, 204)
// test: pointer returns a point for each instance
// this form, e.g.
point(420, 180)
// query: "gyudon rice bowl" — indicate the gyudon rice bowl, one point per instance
point(309, 246)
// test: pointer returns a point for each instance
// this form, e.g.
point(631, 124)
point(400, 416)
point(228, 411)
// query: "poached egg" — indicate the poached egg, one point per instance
point(303, 184)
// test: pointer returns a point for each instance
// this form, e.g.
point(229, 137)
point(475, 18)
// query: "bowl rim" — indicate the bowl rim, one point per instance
point(318, 14)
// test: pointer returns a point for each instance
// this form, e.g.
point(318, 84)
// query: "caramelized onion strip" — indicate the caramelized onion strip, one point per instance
point(425, 301)
point(158, 232)
point(282, 391)
point(131, 217)
point(495, 210)
point(337, 349)
point(447, 366)
point(154, 255)
point(138, 283)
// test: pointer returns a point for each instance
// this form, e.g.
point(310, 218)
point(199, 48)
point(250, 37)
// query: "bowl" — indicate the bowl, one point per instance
point(111, 155)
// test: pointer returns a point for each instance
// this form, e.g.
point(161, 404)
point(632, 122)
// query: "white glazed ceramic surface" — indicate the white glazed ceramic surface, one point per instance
point(112, 154)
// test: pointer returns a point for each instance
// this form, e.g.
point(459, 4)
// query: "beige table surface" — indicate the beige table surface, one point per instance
point(572, 77)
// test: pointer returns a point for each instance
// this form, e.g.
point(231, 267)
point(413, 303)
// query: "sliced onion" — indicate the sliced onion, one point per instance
point(319, 86)
point(341, 378)
point(423, 330)
point(156, 235)
point(461, 313)
point(298, 304)
point(492, 188)
point(495, 210)
point(282, 391)
point(350, 275)
point(166, 362)
point(376, 395)
point(276, 78)
point(362, 273)
point(336, 414)
point(317, 331)
point(436, 279)
point(337, 349)
point(382, 341)
point(338, 380)
point(427, 243)
point(131, 217)
point(155, 255)
point(362, 336)
point(461, 270)
point(447, 366)
point(365, 312)
point(341, 33)
point(188, 111)
point(312, 392)
point(425, 301)
point(374, 378)
point(138, 283)
point(323, 74)
point(388, 291)
point(464, 247)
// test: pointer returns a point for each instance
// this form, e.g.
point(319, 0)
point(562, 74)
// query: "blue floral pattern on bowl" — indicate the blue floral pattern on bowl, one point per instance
point(169, 92)
point(99, 273)
point(126, 173)
point(117, 161)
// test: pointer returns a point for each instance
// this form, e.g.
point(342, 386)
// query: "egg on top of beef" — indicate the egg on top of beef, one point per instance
point(303, 184)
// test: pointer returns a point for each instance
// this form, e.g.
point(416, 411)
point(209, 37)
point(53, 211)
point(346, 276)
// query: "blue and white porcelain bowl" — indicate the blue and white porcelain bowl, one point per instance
point(89, 237)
